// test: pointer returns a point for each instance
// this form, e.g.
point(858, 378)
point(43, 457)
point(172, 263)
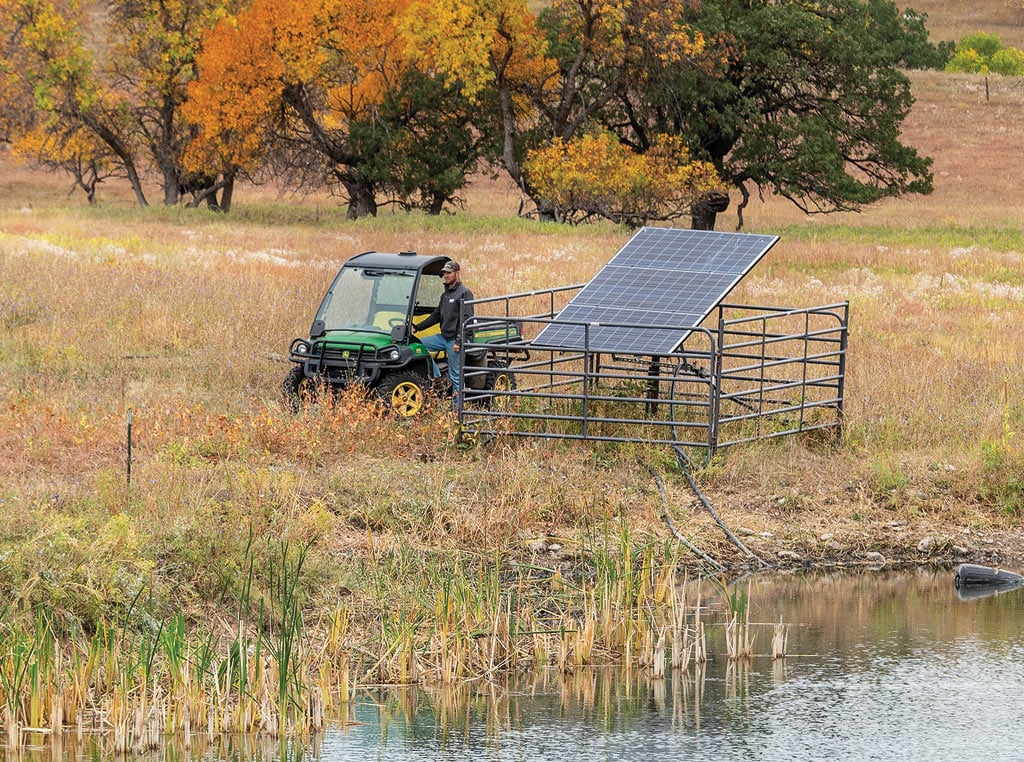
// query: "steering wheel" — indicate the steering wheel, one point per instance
point(395, 321)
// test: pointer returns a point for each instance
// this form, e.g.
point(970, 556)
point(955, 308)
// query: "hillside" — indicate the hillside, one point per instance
point(953, 19)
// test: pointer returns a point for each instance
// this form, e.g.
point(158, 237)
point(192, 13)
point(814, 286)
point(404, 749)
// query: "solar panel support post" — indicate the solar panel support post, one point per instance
point(803, 377)
point(715, 392)
point(763, 351)
point(653, 384)
point(587, 365)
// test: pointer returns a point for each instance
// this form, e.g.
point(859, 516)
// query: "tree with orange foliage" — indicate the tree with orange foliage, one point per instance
point(318, 90)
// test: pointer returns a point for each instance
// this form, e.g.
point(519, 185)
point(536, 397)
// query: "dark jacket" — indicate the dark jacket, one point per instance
point(451, 312)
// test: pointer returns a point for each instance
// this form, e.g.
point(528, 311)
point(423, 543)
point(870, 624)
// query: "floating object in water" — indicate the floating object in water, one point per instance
point(973, 581)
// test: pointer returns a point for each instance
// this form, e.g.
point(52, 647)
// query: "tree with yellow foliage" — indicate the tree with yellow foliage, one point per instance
point(75, 151)
point(550, 76)
point(48, 94)
point(596, 175)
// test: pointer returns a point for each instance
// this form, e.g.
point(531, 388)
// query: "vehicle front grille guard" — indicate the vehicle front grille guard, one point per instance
point(352, 362)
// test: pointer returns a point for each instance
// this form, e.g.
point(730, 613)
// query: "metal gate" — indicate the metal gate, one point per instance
point(759, 372)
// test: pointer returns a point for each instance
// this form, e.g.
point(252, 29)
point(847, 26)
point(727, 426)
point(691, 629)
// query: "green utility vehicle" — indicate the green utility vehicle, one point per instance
point(363, 334)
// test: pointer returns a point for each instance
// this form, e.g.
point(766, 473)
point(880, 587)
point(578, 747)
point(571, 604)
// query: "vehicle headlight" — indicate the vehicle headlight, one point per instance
point(302, 348)
point(392, 354)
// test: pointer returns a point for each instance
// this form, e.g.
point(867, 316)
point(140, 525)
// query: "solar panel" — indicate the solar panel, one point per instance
point(661, 283)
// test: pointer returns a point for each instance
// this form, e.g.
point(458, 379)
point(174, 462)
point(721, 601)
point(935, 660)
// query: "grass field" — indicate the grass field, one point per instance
point(182, 318)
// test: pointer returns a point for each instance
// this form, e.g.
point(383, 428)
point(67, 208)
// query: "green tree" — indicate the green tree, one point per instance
point(419, 145)
point(906, 34)
point(809, 105)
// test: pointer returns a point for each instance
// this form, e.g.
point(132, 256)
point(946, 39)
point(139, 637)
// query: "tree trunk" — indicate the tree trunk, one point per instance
point(115, 144)
point(136, 182)
point(172, 187)
point(705, 210)
point(204, 189)
point(227, 192)
point(362, 201)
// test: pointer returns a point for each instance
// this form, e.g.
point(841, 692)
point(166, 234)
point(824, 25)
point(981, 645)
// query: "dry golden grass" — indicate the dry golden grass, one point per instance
point(165, 311)
point(975, 147)
point(953, 20)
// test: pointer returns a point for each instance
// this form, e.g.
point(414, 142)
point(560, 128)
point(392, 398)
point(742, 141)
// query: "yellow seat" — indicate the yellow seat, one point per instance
point(385, 319)
point(435, 328)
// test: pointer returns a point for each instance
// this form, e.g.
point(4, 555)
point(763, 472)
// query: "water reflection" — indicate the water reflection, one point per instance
point(878, 667)
point(226, 748)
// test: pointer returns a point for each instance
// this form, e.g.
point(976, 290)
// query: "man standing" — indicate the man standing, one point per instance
point(451, 312)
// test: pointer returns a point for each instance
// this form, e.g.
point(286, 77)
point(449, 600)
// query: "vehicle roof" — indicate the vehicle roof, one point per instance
point(404, 261)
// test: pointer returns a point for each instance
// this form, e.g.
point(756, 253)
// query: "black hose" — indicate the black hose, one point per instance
point(678, 535)
point(684, 464)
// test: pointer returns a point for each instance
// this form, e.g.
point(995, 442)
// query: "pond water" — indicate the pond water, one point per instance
point(878, 667)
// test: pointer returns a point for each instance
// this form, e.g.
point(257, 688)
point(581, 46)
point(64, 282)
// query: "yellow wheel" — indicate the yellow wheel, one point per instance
point(405, 393)
point(500, 379)
point(503, 382)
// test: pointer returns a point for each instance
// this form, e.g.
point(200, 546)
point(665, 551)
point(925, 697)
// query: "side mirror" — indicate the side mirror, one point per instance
point(318, 329)
point(400, 333)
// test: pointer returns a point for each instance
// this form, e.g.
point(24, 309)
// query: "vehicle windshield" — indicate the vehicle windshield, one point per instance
point(367, 299)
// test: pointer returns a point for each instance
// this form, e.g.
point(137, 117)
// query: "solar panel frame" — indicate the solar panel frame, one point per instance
point(662, 284)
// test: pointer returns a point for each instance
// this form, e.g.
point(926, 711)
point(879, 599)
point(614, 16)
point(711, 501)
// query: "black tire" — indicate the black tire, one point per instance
point(499, 379)
point(405, 393)
point(296, 388)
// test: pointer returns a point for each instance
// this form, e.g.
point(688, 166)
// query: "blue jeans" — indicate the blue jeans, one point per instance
point(435, 342)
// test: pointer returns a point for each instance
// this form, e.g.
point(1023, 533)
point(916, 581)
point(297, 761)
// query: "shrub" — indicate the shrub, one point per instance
point(596, 175)
point(969, 61)
point(982, 53)
point(985, 44)
point(1008, 62)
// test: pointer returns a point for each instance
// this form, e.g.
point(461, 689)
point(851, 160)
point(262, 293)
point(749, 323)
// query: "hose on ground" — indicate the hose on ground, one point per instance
point(676, 533)
point(684, 465)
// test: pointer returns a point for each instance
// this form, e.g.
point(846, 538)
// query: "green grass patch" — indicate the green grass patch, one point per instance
point(925, 236)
